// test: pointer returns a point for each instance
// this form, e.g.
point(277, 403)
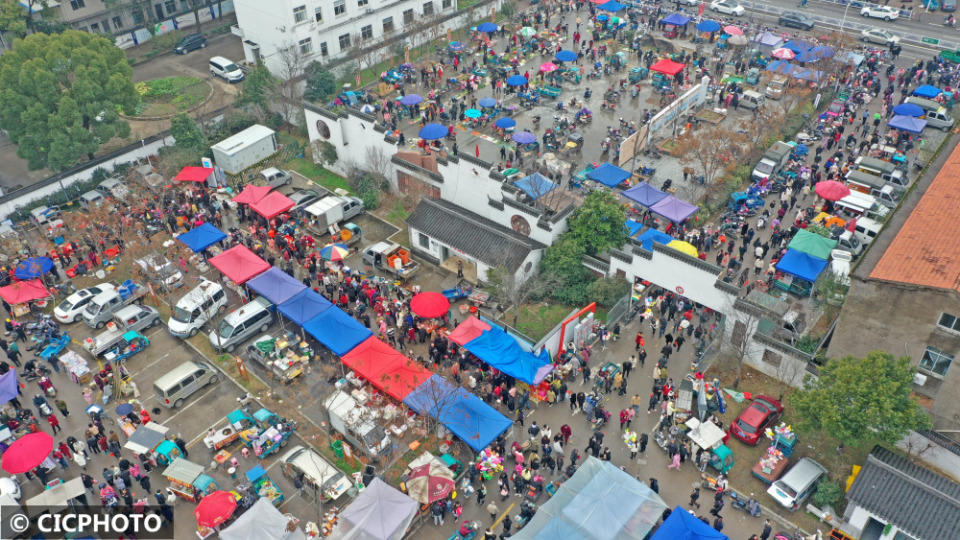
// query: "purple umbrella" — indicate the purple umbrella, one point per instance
point(410, 99)
point(524, 137)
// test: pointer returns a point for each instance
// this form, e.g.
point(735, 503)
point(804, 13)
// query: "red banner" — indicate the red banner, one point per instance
point(701, 9)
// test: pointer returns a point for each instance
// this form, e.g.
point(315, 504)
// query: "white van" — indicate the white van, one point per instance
point(183, 381)
point(196, 308)
point(240, 325)
point(799, 482)
point(92, 199)
point(884, 169)
point(751, 100)
point(866, 230)
point(225, 69)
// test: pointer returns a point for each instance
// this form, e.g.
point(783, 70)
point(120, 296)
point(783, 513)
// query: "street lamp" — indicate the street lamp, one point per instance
point(844, 20)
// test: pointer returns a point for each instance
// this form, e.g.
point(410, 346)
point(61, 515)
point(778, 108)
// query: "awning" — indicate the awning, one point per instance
point(667, 66)
point(612, 6)
point(24, 291)
point(304, 306)
point(675, 19)
point(674, 209)
point(927, 91)
point(385, 367)
point(194, 174)
point(276, 286)
point(683, 525)
point(239, 264)
point(644, 194)
point(797, 46)
point(202, 237)
point(337, 331)
point(812, 244)
point(261, 522)
point(272, 205)
point(907, 123)
point(252, 194)
point(536, 185)
point(609, 174)
point(801, 265)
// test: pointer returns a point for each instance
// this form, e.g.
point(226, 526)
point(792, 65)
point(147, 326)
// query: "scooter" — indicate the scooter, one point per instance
point(750, 505)
point(598, 421)
point(950, 21)
point(646, 171)
point(42, 405)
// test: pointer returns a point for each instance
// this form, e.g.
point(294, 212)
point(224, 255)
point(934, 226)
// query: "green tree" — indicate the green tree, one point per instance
point(257, 89)
point(608, 291)
point(60, 96)
point(187, 132)
point(13, 18)
point(320, 84)
point(859, 400)
point(598, 224)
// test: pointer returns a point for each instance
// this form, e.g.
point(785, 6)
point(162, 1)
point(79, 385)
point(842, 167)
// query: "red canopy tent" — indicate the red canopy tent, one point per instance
point(194, 174)
point(385, 368)
point(24, 291)
point(272, 205)
point(252, 194)
point(468, 330)
point(239, 264)
point(668, 67)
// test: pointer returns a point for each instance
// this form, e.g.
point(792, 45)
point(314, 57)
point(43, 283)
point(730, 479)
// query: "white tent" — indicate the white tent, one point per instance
point(261, 522)
point(380, 512)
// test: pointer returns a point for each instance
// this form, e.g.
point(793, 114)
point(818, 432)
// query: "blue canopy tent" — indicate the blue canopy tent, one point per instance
point(816, 53)
point(675, 19)
point(306, 305)
point(909, 109)
point(276, 286)
point(463, 413)
point(927, 91)
point(781, 67)
point(644, 194)
point(487, 27)
point(801, 265)
point(804, 74)
point(681, 525)
point(609, 175)
point(767, 41)
point(202, 237)
point(33, 268)
point(612, 6)
point(337, 331)
point(536, 185)
point(708, 26)
point(797, 46)
point(501, 351)
point(633, 227)
point(653, 235)
point(907, 123)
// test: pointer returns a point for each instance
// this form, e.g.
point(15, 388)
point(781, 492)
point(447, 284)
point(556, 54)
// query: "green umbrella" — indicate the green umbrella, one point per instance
point(527, 31)
point(615, 20)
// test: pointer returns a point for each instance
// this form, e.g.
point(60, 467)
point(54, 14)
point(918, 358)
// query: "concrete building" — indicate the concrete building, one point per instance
point(906, 299)
point(94, 16)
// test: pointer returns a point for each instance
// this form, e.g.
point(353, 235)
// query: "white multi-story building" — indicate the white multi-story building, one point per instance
point(327, 29)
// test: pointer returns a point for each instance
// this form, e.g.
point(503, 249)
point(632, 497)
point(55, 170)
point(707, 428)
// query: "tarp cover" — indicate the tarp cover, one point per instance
point(633, 227)
point(24, 291)
point(612, 6)
point(272, 205)
point(337, 331)
point(501, 351)
point(799, 264)
point(276, 286)
point(193, 174)
point(261, 522)
point(644, 194)
point(599, 502)
point(304, 306)
point(674, 209)
point(927, 91)
point(681, 525)
point(202, 237)
point(609, 174)
point(464, 414)
point(650, 236)
point(667, 66)
point(380, 512)
point(385, 368)
point(907, 123)
point(536, 185)
point(797, 46)
point(252, 194)
point(812, 244)
point(768, 39)
point(675, 19)
point(469, 329)
point(239, 264)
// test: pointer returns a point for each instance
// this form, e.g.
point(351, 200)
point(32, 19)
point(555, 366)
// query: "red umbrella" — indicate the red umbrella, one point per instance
point(430, 304)
point(27, 452)
point(215, 508)
point(733, 30)
point(831, 190)
point(426, 485)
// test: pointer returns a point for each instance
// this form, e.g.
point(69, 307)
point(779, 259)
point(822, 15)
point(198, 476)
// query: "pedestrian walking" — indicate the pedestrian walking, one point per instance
point(182, 445)
point(718, 523)
point(655, 486)
point(481, 494)
point(80, 460)
point(494, 510)
point(643, 442)
point(54, 423)
point(694, 497)
point(520, 417)
point(767, 529)
point(62, 407)
point(717, 508)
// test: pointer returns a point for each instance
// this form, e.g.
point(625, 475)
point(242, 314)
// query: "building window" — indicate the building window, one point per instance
point(77, 4)
point(94, 28)
point(428, 8)
point(299, 14)
point(170, 6)
point(362, 3)
point(408, 16)
point(446, 4)
point(388, 25)
point(950, 322)
point(423, 240)
point(184, 6)
point(339, 7)
point(935, 361)
point(117, 23)
point(318, 14)
point(323, 49)
point(137, 17)
point(344, 42)
point(106, 25)
point(366, 32)
point(306, 46)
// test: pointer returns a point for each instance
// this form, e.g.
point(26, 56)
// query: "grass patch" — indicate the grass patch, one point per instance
point(536, 320)
point(171, 95)
point(319, 175)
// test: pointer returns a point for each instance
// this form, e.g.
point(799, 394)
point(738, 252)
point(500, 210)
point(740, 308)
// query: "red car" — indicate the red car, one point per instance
point(763, 412)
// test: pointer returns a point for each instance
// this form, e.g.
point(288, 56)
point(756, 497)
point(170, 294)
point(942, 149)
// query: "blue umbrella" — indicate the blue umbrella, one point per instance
point(124, 409)
point(472, 113)
point(517, 80)
point(505, 123)
point(565, 56)
point(603, 17)
point(708, 26)
point(612, 5)
point(410, 99)
point(524, 137)
point(908, 109)
point(432, 132)
point(487, 28)
point(455, 46)
point(488, 102)
point(33, 267)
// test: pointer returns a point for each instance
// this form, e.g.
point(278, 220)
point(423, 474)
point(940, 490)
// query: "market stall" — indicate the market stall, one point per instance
point(263, 486)
point(277, 356)
point(146, 438)
point(187, 479)
point(380, 512)
point(262, 521)
point(20, 294)
point(76, 367)
point(55, 499)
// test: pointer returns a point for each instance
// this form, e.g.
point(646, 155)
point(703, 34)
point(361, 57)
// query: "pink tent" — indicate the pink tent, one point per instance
point(272, 205)
point(194, 174)
point(468, 330)
point(24, 291)
point(252, 194)
point(239, 264)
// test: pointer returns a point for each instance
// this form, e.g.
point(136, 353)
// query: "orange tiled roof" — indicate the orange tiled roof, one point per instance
point(926, 251)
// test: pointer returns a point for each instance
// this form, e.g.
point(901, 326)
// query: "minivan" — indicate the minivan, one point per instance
point(866, 230)
point(92, 199)
point(924, 103)
point(318, 473)
point(221, 67)
point(751, 100)
point(196, 308)
point(189, 43)
point(183, 381)
point(799, 482)
point(240, 325)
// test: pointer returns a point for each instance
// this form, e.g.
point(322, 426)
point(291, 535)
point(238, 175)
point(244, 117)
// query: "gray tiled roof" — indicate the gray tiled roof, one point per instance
point(924, 504)
point(477, 236)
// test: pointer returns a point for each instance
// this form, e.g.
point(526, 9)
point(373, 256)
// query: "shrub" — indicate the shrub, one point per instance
point(828, 494)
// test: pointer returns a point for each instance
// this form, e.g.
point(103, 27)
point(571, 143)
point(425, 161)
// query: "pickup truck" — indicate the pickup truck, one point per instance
point(130, 318)
point(105, 304)
point(350, 234)
point(391, 258)
point(773, 160)
point(331, 210)
point(274, 177)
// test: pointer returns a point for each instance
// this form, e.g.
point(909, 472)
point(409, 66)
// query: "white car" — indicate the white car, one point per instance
point(71, 309)
point(879, 36)
point(840, 262)
point(690, 2)
point(729, 7)
point(886, 13)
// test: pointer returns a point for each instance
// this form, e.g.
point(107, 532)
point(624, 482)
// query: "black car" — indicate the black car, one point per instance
point(795, 20)
point(948, 5)
point(189, 43)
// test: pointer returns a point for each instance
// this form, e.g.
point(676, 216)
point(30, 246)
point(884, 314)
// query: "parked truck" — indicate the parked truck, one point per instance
point(773, 160)
point(391, 258)
point(329, 211)
point(130, 318)
point(355, 423)
point(104, 305)
point(348, 235)
point(776, 86)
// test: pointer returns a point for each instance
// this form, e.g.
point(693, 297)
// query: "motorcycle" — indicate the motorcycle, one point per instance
point(750, 505)
point(30, 375)
point(646, 171)
point(599, 419)
point(42, 405)
point(950, 21)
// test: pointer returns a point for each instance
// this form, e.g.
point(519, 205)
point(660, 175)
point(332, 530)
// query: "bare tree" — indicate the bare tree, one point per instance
point(712, 151)
point(739, 344)
point(289, 92)
point(504, 285)
point(437, 400)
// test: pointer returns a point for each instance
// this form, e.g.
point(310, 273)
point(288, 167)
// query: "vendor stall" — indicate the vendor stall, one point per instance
point(166, 452)
point(772, 464)
point(709, 437)
point(263, 486)
point(146, 438)
point(76, 366)
point(187, 480)
point(237, 421)
point(276, 355)
point(55, 499)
